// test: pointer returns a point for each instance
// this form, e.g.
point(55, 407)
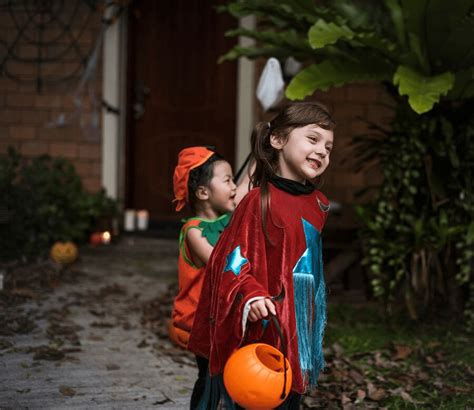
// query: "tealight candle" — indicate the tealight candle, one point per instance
point(106, 237)
point(129, 222)
point(142, 219)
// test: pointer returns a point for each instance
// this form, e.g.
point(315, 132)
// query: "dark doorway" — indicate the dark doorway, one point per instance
point(178, 95)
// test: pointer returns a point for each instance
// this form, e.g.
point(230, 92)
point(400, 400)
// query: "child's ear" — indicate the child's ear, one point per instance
point(202, 193)
point(276, 142)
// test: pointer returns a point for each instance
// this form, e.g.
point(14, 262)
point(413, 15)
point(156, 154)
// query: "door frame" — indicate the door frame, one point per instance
point(114, 92)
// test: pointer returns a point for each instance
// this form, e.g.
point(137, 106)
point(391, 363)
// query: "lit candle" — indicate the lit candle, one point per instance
point(142, 219)
point(129, 223)
point(106, 237)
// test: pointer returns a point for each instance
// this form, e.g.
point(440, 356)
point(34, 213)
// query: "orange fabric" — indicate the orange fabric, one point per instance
point(178, 336)
point(188, 159)
point(190, 284)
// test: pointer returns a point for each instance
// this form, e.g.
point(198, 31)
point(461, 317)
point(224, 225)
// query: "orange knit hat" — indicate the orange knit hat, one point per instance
point(188, 159)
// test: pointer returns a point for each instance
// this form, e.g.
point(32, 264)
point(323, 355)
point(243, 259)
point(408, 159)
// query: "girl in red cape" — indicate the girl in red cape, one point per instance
point(268, 260)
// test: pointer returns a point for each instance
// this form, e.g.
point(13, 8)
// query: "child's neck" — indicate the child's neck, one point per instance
point(207, 212)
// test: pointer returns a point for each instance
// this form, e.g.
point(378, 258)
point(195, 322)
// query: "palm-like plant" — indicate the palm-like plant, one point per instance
point(419, 230)
point(423, 48)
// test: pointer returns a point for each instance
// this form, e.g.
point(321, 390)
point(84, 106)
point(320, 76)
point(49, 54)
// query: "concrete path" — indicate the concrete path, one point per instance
point(104, 357)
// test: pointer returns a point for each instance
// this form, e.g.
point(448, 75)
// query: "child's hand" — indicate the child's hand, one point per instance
point(260, 308)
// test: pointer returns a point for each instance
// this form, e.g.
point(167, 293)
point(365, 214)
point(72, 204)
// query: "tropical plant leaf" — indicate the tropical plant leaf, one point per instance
point(334, 73)
point(423, 92)
point(287, 38)
point(414, 12)
point(396, 15)
point(322, 33)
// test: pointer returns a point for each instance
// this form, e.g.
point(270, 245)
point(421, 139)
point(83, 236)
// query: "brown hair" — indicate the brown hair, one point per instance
point(295, 115)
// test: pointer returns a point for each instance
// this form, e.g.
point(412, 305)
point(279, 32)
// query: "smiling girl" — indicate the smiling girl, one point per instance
point(269, 258)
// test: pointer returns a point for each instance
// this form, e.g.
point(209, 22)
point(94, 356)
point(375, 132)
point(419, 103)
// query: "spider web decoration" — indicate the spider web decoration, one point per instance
point(45, 41)
point(47, 45)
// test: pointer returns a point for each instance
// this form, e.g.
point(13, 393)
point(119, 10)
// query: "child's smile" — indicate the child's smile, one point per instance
point(222, 188)
point(305, 154)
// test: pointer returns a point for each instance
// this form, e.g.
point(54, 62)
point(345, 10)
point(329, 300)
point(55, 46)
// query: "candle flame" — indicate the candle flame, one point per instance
point(106, 237)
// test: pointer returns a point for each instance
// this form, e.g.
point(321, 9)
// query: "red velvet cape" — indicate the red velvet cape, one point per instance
point(267, 270)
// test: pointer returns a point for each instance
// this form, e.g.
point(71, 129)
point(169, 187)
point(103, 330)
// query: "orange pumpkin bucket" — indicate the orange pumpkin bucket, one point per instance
point(255, 377)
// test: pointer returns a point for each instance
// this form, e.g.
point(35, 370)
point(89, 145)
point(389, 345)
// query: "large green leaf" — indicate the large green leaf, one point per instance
point(415, 23)
point(396, 15)
point(423, 92)
point(333, 73)
point(322, 33)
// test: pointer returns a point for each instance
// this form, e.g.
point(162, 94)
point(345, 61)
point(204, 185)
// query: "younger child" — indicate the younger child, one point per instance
point(268, 260)
point(203, 180)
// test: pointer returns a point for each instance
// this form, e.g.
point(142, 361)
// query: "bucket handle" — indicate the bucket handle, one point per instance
point(275, 321)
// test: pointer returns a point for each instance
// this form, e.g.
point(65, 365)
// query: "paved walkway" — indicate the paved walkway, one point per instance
point(89, 349)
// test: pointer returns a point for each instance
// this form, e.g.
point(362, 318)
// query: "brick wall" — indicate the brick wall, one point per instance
point(26, 115)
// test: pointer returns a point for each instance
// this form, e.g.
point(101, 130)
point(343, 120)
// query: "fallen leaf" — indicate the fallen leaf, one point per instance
point(95, 338)
point(356, 376)
point(345, 399)
point(25, 292)
point(67, 391)
point(143, 343)
point(405, 396)
point(402, 352)
point(429, 360)
point(337, 349)
point(47, 353)
point(377, 395)
point(361, 395)
point(102, 324)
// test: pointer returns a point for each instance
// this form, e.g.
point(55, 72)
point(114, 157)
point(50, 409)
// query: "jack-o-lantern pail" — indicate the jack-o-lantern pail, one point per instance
point(255, 377)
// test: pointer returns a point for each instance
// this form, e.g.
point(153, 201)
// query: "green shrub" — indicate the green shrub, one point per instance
point(43, 201)
point(419, 230)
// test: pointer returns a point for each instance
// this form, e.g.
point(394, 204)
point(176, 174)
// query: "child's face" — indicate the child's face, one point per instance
point(222, 189)
point(305, 155)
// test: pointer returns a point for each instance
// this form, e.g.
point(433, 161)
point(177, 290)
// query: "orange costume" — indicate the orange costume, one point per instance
point(191, 277)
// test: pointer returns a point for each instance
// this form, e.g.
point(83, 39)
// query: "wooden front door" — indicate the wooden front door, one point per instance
point(178, 95)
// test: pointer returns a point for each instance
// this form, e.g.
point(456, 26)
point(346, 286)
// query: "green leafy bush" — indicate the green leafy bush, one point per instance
point(419, 231)
point(43, 201)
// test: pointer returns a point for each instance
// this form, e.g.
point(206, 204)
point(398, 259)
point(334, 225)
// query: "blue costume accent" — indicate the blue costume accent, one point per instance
point(235, 261)
point(310, 306)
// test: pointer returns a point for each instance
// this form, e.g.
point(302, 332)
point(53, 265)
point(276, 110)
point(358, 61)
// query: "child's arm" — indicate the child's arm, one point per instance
point(199, 247)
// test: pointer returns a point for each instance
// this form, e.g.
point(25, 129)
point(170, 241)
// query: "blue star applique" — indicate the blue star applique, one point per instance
point(307, 261)
point(235, 261)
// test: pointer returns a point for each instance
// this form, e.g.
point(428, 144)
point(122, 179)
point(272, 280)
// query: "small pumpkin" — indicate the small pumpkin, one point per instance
point(64, 252)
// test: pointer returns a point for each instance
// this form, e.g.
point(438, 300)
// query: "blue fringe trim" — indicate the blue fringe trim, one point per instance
point(310, 307)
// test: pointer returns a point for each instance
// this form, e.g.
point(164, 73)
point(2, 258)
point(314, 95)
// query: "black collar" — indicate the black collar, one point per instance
point(292, 187)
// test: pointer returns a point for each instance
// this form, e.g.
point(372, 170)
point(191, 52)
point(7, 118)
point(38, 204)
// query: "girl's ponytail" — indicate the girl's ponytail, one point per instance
point(265, 157)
